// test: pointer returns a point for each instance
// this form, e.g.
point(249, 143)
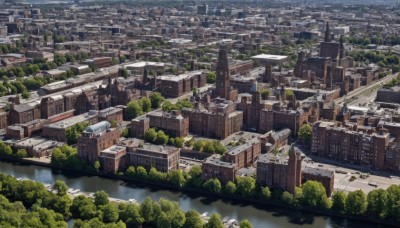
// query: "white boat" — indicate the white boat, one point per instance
point(91, 194)
point(70, 190)
point(132, 201)
point(75, 191)
point(225, 219)
point(205, 214)
point(232, 222)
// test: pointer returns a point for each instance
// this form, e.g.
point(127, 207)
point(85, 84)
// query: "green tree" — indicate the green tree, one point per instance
point(164, 221)
point(176, 178)
point(378, 203)
point(213, 185)
point(156, 100)
point(305, 132)
point(147, 210)
point(356, 203)
point(289, 94)
point(193, 220)
point(314, 195)
point(25, 94)
point(264, 94)
point(131, 215)
point(130, 171)
point(122, 72)
point(246, 186)
point(215, 221)
point(110, 213)
point(97, 165)
point(141, 172)
point(22, 153)
point(230, 188)
point(265, 192)
point(245, 224)
point(60, 187)
point(146, 104)
point(161, 138)
point(287, 198)
point(134, 109)
point(100, 198)
point(393, 201)
point(339, 202)
point(88, 211)
point(211, 77)
point(150, 135)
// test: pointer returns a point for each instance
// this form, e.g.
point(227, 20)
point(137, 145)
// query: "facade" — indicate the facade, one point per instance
point(163, 158)
point(340, 143)
point(214, 167)
point(178, 85)
point(279, 171)
point(139, 126)
point(280, 119)
point(112, 159)
point(243, 155)
point(326, 177)
point(95, 139)
point(218, 122)
point(385, 95)
point(173, 123)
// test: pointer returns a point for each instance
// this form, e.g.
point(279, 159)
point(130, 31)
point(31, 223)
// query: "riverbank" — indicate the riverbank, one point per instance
point(199, 194)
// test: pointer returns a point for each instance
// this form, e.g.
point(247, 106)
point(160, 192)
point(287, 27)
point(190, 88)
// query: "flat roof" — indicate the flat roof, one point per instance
point(180, 77)
point(270, 57)
point(63, 124)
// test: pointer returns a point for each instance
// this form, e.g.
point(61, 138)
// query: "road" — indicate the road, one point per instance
point(366, 89)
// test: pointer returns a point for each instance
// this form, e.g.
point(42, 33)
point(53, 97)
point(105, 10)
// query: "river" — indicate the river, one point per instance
point(264, 217)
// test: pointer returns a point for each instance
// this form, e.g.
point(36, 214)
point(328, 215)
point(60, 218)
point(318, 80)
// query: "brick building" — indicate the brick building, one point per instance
point(139, 126)
point(95, 139)
point(219, 121)
point(178, 85)
point(278, 118)
point(391, 95)
point(223, 88)
point(172, 123)
point(214, 167)
point(280, 171)
point(244, 155)
point(112, 159)
point(163, 158)
point(355, 147)
point(3, 120)
point(326, 177)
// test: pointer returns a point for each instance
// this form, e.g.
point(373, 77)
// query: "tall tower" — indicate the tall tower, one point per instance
point(223, 76)
point(294, 170)
point(327, 33)
point(268, 73)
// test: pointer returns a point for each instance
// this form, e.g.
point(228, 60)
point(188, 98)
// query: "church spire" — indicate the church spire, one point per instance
point(327, 33)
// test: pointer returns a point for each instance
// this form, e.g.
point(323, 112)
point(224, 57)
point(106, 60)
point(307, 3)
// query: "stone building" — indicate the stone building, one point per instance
point(274, 140)
point(163, 158)
point(95, 139)
point(349, 145)
point(172, 123)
